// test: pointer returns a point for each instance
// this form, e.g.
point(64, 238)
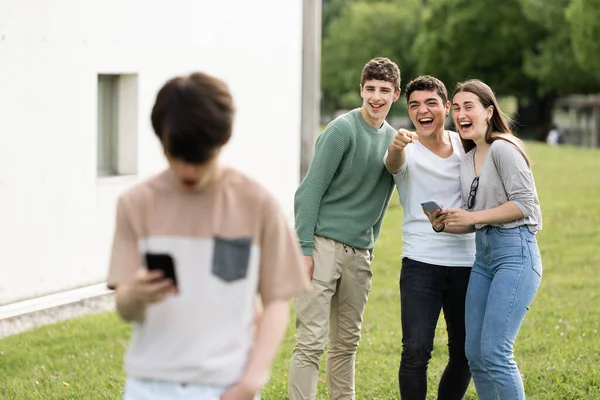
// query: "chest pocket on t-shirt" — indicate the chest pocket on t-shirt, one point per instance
point(231, 258)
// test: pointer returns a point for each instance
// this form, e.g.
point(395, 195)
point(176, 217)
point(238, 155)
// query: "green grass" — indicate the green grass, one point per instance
point(77, 359)
point(558, 348)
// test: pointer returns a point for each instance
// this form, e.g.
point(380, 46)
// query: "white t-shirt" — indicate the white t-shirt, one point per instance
point(423, 177)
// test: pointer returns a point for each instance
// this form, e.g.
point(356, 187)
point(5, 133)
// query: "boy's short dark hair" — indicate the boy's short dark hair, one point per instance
point(427, 83)
point(193, 117)
point(382, 69)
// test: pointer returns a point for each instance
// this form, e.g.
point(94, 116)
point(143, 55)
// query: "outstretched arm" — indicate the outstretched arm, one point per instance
point(396, 155)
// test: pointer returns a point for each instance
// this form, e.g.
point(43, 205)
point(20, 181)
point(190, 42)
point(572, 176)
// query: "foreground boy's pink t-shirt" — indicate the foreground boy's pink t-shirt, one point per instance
point(229, 242)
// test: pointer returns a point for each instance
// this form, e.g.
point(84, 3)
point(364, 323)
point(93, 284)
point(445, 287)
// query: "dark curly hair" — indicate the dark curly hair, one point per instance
point(382, 69)
point(427, 83)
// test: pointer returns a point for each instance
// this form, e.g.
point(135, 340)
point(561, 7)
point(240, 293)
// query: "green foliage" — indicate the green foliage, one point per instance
point(533, 50)
point(330, 9)
point(551, 61)
point(77, 359)
point(584, 19)
point(558, 348)
point(361, 32)
point(462, 39)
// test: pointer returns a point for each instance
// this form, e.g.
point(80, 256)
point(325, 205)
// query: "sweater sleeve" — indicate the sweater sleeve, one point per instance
point(329, 150)
point(377, 226)
point(516, 176)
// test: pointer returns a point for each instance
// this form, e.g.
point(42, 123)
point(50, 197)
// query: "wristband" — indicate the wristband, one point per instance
point(441, 230)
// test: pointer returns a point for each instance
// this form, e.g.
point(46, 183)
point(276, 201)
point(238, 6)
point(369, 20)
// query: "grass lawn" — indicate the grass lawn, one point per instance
point(558, 349)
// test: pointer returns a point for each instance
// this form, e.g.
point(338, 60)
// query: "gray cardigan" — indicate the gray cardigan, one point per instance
point(504, 176)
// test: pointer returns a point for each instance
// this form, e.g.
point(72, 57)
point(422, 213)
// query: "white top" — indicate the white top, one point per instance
point(423, 177)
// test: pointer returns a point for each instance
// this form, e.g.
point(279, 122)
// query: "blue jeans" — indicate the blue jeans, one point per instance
point(425, 290)
point(504, 280)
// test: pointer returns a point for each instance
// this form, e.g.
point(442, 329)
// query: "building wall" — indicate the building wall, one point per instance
point(56, 215)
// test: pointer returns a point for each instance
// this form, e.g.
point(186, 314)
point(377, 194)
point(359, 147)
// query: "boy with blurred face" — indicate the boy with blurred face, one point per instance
point(228, 239)
point(435, 266)
point(339, 208)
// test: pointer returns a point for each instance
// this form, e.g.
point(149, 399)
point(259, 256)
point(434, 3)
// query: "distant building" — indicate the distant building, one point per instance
point(77, 83)
point(579, 119)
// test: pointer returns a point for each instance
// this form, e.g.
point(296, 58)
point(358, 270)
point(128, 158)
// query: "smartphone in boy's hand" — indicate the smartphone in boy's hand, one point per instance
point(163, 262)
point(431, 206)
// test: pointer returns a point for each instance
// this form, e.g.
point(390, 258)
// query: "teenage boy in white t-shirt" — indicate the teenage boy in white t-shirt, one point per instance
point(228, 240)
point(435, 266)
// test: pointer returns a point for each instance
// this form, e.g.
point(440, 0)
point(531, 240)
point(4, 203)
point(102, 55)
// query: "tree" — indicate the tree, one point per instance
point(463, 39)
point(584, 19)
point(330, 10)
point(552, 61)
point(362, 31)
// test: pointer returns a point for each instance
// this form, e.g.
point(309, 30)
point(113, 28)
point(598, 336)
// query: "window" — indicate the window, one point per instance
point(117, 125)
point(107, 124)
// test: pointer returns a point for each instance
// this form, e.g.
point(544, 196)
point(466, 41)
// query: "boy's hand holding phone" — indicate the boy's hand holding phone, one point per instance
point(150, 286)
point(146, 288)
point(433, 212)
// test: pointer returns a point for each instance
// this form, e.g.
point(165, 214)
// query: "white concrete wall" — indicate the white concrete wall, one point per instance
point(56, 216)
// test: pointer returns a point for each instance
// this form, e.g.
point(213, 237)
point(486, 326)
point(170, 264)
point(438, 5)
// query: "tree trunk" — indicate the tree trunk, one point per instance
point(534, 117)
point(596, 126)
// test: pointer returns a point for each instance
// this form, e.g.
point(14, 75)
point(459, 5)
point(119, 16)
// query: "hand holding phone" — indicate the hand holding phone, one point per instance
point(163, 262)
point(431, 206)
point(149, 286)
point(436, 219)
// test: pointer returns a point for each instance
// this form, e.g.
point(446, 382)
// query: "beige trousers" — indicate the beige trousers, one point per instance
point(332, 307)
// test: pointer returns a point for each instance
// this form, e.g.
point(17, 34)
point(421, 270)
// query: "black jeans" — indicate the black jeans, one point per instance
point(425, 290)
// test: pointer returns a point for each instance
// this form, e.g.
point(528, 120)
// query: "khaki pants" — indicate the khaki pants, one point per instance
point(332, 307)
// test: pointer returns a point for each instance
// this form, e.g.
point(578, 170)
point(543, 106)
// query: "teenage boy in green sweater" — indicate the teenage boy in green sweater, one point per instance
point(339, 208)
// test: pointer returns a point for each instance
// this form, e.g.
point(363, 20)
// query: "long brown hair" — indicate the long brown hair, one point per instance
point(498, 128)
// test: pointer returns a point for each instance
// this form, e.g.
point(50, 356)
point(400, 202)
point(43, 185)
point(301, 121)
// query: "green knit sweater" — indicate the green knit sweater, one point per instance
point(346, 191)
